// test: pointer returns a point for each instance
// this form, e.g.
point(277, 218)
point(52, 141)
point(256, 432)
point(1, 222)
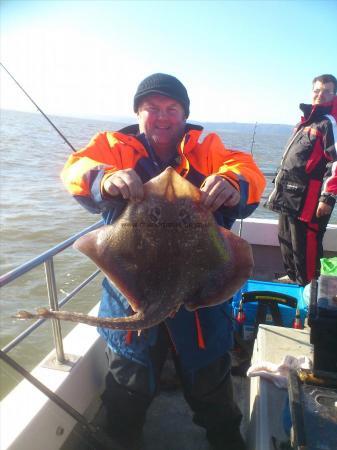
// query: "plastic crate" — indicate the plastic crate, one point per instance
point(247, 328)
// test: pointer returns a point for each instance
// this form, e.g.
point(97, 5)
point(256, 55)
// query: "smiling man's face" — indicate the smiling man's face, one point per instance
point(322, 92)
point(163, 120)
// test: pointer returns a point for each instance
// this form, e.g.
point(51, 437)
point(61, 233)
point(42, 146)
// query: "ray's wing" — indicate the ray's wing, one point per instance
point(102, 247)
point(225, 280)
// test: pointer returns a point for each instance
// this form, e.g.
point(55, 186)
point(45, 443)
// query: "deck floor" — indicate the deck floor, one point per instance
point(169, 424)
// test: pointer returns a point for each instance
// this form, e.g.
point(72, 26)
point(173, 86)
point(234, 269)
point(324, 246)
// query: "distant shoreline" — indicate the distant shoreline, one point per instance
point(235, 127)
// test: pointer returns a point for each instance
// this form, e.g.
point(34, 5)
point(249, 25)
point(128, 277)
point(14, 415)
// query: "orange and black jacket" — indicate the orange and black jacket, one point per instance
point(108, 152)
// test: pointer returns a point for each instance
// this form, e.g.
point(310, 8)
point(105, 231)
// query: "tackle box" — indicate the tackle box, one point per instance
point(267, 302)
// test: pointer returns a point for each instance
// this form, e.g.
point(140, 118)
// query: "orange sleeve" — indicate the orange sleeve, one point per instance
point(96, 156)
point(235, 166)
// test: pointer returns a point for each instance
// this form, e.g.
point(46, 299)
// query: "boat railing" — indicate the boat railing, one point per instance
point(47, 259)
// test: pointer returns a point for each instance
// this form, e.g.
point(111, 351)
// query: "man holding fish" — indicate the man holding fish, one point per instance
point(116, 168)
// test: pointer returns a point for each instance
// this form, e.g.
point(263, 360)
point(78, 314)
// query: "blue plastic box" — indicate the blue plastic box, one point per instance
point(287, 313)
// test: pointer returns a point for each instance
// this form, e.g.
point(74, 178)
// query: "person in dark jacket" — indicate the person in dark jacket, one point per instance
point(306, 184)
point(117, 164)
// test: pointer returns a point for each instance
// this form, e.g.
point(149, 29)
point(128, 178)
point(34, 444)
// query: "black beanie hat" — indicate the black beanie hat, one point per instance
point(161, 83)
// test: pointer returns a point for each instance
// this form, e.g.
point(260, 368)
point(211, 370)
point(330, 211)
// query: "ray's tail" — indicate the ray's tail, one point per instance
point(138, 321)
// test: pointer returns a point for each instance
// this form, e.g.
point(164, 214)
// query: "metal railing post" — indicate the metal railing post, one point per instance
point(53, 303)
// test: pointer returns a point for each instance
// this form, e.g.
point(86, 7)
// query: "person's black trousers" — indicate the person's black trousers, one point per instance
point(128, 394)
point(301, 245)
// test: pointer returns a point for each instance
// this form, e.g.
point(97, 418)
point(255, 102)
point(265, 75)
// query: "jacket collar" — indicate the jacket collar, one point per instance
point(130, 133)
point(312, 112)
point(134, 129)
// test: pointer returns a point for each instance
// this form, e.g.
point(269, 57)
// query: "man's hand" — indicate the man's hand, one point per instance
point(126, 183)
point(323, 209)
point(217, 191)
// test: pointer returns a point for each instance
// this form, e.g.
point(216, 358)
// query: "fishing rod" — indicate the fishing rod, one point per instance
point(251, 152)
point(39, 109)
point(253, 139)
point(90, 433)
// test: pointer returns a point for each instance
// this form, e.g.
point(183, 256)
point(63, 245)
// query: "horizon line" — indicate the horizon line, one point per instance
point(130, 120)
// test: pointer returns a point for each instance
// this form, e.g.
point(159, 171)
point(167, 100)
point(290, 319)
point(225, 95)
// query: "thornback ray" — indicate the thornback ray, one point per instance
point(161, 253)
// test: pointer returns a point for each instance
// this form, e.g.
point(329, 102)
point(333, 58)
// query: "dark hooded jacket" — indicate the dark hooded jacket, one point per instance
point(308, 170)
